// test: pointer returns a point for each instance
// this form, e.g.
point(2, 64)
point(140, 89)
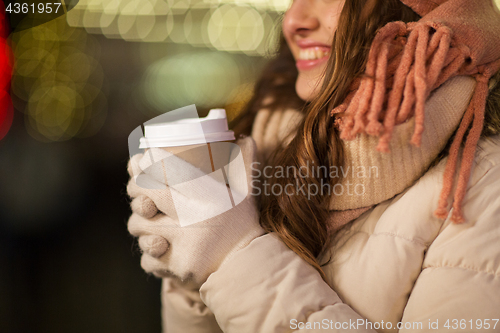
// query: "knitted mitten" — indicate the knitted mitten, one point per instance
point(213, 229)
point(183, 310)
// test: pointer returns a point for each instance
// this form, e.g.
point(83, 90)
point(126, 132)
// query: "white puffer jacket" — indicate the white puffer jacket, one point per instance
point(397, 268)
point(397, 263)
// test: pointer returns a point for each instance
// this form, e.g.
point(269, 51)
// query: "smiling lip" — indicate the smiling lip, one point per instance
point(311, 54)
point(304, 65)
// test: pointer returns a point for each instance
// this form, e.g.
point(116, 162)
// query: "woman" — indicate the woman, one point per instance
point(383, 115)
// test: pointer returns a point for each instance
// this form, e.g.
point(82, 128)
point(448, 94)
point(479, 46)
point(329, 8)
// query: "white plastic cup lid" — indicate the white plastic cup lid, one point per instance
point(190, 131)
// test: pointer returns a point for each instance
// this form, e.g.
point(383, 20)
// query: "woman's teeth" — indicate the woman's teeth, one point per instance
point(312, 54)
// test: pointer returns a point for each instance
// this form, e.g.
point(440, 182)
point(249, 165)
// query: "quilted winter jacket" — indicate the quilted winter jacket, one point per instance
point(397, 268)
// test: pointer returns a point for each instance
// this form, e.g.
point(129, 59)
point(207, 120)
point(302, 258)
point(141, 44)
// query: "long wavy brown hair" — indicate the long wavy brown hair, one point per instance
point(300, 220)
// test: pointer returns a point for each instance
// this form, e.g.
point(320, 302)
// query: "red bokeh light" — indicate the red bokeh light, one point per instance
point(6, 109)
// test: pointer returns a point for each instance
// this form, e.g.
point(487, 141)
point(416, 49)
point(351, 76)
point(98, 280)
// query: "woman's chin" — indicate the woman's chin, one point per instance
point(305, 91)
point(307, 85)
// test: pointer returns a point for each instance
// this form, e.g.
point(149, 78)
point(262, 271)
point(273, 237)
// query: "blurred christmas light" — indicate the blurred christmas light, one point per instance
point(268, 5)
point(240, 26)
point(202, 78)
point(238, 99)
point(250, 30)
point(234, 28)
point(57, 82)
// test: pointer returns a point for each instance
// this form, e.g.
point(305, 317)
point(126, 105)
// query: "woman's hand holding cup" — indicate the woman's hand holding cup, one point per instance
point(189, 222)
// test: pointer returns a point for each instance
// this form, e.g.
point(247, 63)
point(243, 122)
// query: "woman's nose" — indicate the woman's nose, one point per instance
point(300, 18)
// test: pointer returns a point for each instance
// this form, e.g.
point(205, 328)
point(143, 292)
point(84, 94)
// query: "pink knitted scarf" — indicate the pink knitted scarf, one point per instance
point(407, 62)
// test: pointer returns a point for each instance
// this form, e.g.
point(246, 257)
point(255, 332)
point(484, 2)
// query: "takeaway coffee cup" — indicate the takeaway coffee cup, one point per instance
point(207, 144)
point(202, 142)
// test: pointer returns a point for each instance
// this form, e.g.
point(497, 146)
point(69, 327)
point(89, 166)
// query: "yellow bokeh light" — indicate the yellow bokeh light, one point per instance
point(188, 24)
point(145, 19)
point(214, 27)
point(250, 30)
point(54, 111)
point(497, 2)
point(92, 16)
point(57, 82)
point(270, 43)
point(177, 34)
point(180, 6)
point(238, 99)
point(109, 13)
point(281, 5)
point(226, 25)
point(127, 19)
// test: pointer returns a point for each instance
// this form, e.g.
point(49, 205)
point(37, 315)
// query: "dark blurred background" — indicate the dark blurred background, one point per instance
point(81, 83)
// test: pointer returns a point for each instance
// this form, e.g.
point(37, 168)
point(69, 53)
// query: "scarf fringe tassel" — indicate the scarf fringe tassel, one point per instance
point(420, 58)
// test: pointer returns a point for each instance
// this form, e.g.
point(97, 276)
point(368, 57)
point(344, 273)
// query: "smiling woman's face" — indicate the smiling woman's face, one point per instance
point(308, 27)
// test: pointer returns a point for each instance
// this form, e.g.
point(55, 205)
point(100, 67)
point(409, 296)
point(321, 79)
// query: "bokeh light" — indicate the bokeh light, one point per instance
point(222, 31)
point(203, 78)
point(238, 99)
point(234, 26)
point(57, 82)
point(6, 111)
